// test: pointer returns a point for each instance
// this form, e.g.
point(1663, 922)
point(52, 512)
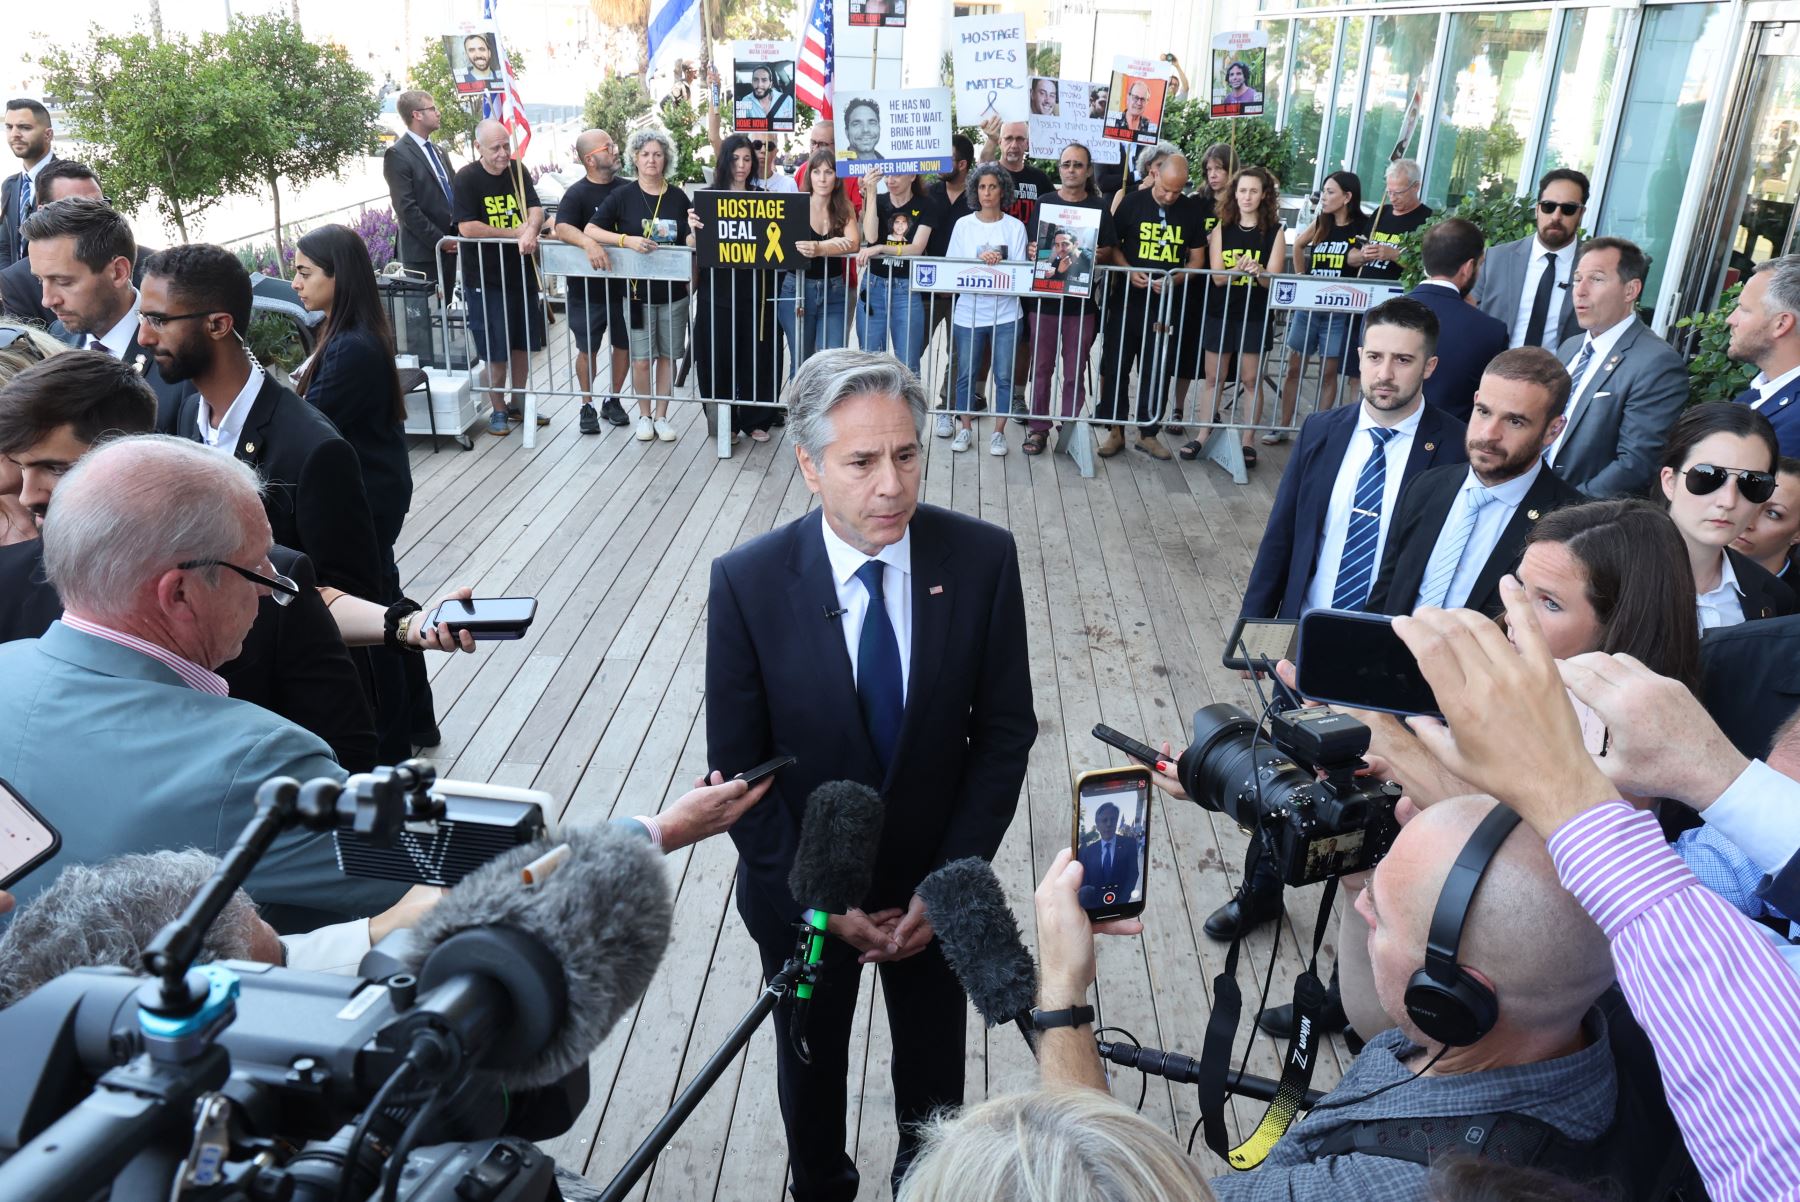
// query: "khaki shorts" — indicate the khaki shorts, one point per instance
point(662, 334)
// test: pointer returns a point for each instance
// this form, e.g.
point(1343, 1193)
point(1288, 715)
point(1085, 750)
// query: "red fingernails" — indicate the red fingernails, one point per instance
point(1163, 766)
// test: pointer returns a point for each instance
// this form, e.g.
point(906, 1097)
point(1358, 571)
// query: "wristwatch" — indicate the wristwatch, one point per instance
point(392, 634)
point(1074, 1016)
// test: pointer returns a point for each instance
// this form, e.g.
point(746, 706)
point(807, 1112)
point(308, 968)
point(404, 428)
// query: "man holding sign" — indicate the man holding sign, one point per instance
point(907, 132)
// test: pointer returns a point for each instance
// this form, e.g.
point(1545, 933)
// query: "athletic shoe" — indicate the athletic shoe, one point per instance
point(997, 444)
point(497, 423)
point(613, 412)
point(664, 430)
point(645, 432)
point(945, 427)
point(590, 421)
point(962, 440)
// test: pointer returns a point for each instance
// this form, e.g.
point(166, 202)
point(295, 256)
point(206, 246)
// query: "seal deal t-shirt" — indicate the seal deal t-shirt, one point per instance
point(634, 213)
point(577, 207)
point(502, 201)
point(899, 224)
point(1246, 298)
point(1386, 227)
point(1152, 234)
point(1326, 256)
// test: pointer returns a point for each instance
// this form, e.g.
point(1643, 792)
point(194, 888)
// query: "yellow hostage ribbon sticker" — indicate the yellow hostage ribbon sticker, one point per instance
point(772, 252)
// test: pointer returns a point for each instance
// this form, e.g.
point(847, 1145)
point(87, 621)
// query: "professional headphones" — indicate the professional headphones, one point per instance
point(1443, 1000)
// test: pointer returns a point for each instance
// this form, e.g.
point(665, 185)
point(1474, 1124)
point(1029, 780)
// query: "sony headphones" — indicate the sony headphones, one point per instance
point(1442, 999)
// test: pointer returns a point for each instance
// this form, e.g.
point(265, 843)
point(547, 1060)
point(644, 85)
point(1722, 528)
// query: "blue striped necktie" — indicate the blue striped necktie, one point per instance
point(1447, 555)
point(878, 682)
point(1356, 566)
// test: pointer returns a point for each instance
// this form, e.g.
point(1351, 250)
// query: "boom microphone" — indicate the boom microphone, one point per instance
point(539, 973)
point(980, 938)
point(834, 865)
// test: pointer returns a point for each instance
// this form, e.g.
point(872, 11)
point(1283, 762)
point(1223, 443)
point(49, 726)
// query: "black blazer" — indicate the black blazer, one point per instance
point(293, 662)
point(169, 397)
point(1750, 680)
point(1419, 518)
point(315, 499)
point(353, 385)
point(1468, 340)
point(419, 201)
point(1765, 595)
point(778, 680)
point(1289, 551)
point(13, 215)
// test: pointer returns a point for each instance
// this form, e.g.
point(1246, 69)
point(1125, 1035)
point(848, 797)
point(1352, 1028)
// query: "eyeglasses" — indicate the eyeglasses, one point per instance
point(1755, 487)
point(157, 321)
point(283, 589)
point(1566, 207)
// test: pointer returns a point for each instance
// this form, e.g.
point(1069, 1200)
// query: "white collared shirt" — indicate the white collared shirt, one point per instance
point(1760, 813)
point(1722, 605)
point(118, 339)
point(33, 173)
point(1490, 523)
point(338, 948)
point(1445, 284)
point(224, 436)
point(1603, 344)
point(1564, 261)
point(853, 599)
point(1767, 388)
point(1343, 497)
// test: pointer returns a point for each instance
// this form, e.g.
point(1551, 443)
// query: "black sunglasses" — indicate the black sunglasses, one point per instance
point(1568, 208)
point(1755, 487)
point(283, 590)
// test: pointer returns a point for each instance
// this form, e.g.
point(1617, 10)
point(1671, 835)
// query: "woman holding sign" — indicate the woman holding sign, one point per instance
point(895, 225)
point(820, 291)
point(986, 323)
point(734, 352)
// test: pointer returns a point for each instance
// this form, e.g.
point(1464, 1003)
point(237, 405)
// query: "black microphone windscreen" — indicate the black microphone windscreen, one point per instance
point(840, 837)
point(980, 938)
point(604, 916)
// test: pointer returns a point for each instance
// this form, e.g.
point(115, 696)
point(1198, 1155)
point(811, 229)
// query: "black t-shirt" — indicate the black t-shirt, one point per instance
point(897, 224)
point(1108, 236)
point(1157, 235)
point(633, 213)
point(1326, 256)
point(502, 201)
point(577, 207)
point(1385, 227)
point(1029, 183)
point(938, 245)
point(1245, 297)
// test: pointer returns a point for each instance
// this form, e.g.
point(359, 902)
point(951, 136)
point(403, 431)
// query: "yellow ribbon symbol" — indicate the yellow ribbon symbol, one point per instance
point(772, 252)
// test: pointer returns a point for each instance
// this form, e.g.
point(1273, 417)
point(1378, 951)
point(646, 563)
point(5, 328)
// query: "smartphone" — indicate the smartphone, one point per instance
point(1110, 835)
point(1143, 753)
point(1594, 735)
point(488, 618)
point(26, 839)
point(752, 775)
point(1356, 660)
point(1258, 644)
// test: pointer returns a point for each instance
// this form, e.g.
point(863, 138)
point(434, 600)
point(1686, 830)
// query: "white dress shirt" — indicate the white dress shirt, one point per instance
point(1724, 604)
point(853, 598)
point(1760, 813)
point(1490, 523)
point(338, 948)
point(1603, 344)
point(1767, 388)
point(1564, 261)
point(224, 436)
point(1343, 495)
point(117, 340)
point(781, 181)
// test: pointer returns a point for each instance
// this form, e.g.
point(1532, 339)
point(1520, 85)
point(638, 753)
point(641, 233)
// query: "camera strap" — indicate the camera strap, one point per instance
point(1296, 1066)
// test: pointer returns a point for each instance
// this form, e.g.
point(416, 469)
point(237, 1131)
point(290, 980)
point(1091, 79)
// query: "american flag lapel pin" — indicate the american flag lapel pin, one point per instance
point(936, 590)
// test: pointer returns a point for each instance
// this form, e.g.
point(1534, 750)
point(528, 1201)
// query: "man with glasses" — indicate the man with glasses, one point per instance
point(1526, 282)
point(1628, 385)
point(1400, 213)
point(595, 306)
point(419, 177)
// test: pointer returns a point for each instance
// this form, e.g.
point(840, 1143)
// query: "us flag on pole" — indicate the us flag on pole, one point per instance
point(507, 107)
point(812, 75)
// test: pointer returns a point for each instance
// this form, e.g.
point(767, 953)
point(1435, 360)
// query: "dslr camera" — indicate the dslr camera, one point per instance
point(1295, 786)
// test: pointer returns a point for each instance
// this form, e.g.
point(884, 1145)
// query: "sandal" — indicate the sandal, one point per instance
point(1191, 449)
point(1034, 443)
point(1249, 456)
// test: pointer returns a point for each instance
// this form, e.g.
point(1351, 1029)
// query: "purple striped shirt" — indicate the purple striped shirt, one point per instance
point(191, 673)
point(1713, 995)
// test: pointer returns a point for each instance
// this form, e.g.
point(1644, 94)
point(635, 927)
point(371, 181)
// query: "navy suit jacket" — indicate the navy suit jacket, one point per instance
point(1094, 879)
point(1289, 551)
point(1783, 413)
point(779, 680)
point(1468, 340)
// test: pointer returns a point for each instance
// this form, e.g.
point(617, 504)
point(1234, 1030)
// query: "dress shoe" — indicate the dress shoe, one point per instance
point(429, 737)
point(1240, 916)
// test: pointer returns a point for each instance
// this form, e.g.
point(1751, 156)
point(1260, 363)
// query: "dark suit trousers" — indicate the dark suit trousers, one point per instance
point(926, 1013)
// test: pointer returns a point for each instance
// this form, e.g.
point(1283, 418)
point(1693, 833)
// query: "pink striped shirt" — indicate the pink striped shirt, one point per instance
point(1713, 995)
point(191, 673)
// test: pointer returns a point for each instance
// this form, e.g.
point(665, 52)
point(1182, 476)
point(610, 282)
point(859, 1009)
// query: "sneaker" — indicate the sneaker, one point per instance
point(590, 421)
point(997, 444)
point(962, 440)
point(945, 427)
point(514, 413)
point(645, 432)
point(497, 423)
point(1112, 444)
point(1151, 446)
point(613, 412)
point(664, 431)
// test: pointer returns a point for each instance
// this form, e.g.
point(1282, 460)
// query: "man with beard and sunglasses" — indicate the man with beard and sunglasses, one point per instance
point(1458, 529)
point(1527, 283)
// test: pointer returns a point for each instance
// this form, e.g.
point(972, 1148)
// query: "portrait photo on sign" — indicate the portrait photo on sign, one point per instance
point(1068, 239)
point(1239, 58)
point(1045, 96)
point(1063, 111)
point(1135, 107)
point(906, 131)
point(474, 61)
point(763, 87)
point(885, 14)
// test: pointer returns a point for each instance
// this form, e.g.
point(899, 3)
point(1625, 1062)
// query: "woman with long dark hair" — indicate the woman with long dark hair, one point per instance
point(734, 353)
point(814, 306)
point(1321, 251)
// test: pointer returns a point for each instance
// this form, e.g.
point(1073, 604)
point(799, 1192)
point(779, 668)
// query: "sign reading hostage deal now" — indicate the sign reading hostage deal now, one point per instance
point(752, 229)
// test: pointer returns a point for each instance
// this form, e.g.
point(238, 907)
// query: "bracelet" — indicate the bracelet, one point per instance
point(394, 629)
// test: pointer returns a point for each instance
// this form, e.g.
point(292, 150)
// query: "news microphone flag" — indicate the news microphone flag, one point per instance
point(813, 71)
point(674, 35)
point(506, 107)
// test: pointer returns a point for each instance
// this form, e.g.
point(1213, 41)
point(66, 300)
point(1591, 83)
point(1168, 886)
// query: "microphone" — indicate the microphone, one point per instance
point(834, 865)
point(528, 979)
point(980, 939)
point(832, 615)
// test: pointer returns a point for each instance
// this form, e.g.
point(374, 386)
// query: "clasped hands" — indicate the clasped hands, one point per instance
point(886, 934)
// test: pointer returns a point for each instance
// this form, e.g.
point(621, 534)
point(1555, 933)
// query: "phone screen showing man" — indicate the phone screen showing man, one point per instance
point(1111, 838)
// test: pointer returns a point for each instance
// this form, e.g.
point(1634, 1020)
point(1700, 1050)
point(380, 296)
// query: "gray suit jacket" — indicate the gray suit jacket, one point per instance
point(1621, 420)
point(121, 756)
point(1501, 285)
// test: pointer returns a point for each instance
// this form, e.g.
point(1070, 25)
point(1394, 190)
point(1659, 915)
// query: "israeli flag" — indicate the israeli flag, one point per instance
point(674, 36)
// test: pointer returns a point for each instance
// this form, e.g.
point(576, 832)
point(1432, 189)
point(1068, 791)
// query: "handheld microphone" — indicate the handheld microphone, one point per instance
point(833, 868)
point(980, 939)
point(530, 978)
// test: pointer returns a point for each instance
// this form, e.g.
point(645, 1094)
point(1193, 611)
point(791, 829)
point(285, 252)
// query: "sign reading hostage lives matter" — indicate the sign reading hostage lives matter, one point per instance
point(752, 229)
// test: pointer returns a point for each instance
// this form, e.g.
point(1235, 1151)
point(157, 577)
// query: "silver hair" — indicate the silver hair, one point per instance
point(1164, 151)
point(1784, 284)
point(133, 508)
point(1008, 190)
point(643, 138)
point(832, 376)
point(106, 914)
point(1406, 169)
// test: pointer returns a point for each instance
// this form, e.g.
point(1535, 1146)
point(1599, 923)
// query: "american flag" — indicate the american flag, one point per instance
point(812, 75)
point(507, 107)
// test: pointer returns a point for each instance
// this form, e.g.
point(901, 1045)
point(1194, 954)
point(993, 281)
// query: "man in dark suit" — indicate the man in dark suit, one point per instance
point(418, 178)
point(83, 253)
point(883, 642)
point(1526, 283)
point(1467, 337)
point(1458, 529)
point(1765, 330)
point(195, 303)
point(1110, 862)
point(1627, 385)
point(28, 136)
point(20, 292)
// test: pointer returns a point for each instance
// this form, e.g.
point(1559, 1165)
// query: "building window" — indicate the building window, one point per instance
point(1397, 95)
point(1494, 70)
point(1343, 112)
point(1582, 89)
point(1314, 40)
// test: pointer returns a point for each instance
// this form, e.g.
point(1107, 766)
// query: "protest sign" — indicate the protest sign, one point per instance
point(751, 229)
point(1064, 111)
point(1135, 100)
point(988, 57)
point(762, 87)
point(474, 58)
point(882, 14)
point(1068, 239)
point(1239, 57)
point(906, 131)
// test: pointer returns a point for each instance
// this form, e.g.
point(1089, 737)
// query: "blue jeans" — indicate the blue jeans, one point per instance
point(889, 306)
point(821, 299)
point(972, 342)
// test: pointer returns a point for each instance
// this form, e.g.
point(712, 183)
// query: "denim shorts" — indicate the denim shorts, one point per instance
point(1325, 334)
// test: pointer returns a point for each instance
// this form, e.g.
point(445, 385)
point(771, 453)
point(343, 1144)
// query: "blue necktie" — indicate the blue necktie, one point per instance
point(1575, 370)
point(437, 169)
point(1356, 566)
point(1447, 555)
point(26, 194)
point(878, 685)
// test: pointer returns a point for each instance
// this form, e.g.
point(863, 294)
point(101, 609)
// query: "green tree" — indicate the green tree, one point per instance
point(1190, 125)
point(320, 111)
point(620, 100)
point(1712, 376)
point(431, 73)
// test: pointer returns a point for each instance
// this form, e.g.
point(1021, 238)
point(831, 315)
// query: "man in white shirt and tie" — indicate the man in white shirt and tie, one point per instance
point(1765, 330)
point(419, 178)
point(28, 136)
point(1526, 282)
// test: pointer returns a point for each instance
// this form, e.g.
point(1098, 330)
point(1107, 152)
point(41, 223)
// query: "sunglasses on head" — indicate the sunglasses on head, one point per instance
point(1755, 487)
point(1566, 207)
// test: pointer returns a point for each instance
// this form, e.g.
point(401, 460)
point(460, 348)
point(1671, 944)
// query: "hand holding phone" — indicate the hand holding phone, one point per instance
point(767, 768)
point(1110, 834)
point(1356, 660)
point(487, 618)
point(26, 838)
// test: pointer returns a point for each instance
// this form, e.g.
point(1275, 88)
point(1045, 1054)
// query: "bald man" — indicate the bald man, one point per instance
point(595, 306)
point(495, 200)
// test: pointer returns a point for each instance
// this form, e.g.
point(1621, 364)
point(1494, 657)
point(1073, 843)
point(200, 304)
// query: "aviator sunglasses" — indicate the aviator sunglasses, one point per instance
point(1755, 487)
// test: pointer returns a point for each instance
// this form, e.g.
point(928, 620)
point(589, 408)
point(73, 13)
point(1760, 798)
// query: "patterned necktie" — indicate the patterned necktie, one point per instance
point(437, 169)
point(1446, 556)
point(878, 685)
point(1356, 566)
point(26, 195)
point(1575, 370)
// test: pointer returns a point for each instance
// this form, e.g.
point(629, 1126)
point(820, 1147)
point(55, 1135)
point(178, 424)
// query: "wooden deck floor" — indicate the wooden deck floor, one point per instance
point(1131, 582)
